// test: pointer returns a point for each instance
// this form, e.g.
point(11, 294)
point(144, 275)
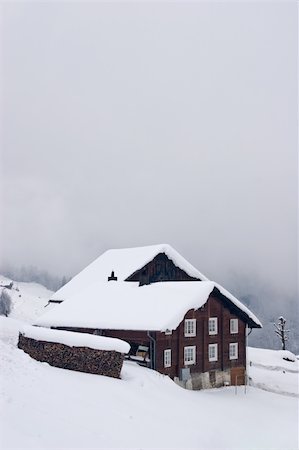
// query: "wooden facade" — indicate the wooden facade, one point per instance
point(177, 341)
point(161, 268)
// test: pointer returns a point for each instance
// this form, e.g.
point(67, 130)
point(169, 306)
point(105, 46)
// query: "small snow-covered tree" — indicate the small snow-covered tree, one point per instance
point(5, 303)
point(282, 333)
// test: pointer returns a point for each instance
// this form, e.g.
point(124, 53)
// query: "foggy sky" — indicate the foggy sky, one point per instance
point(129, 124)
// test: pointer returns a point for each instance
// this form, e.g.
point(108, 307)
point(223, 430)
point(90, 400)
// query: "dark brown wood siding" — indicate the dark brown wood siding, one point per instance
point(177, 341)
point(161, 268)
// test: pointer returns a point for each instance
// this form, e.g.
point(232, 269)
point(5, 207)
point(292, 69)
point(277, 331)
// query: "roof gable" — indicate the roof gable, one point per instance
point(124, 262)
point(160, 268)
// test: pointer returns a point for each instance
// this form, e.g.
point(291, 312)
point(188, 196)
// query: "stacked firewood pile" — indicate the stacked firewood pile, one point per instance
point(82, 359)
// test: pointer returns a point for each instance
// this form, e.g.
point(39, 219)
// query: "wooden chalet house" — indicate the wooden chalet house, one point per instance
point(175, 319)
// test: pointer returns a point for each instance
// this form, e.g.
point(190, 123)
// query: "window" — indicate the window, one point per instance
point(167, 358)
point(190, 327)
point(213, 352)
point(233, 351)
point(189, 354)
point(234, 326)
point(213, 325)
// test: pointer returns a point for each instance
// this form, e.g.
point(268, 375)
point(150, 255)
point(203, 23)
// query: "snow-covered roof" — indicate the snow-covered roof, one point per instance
point(124, 262)
point(74, 339)
point(128, 306)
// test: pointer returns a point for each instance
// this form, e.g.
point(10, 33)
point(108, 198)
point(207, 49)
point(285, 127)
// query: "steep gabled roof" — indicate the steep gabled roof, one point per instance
point(124, 262)
point(127, 306)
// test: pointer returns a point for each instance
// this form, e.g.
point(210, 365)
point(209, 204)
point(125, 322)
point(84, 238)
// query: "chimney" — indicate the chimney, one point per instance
point(112, 277)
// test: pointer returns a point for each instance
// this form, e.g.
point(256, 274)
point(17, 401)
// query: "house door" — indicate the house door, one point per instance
point(237, 376)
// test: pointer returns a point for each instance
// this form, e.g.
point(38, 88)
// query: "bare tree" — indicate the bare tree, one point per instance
point(281, 331)
point(5, 303)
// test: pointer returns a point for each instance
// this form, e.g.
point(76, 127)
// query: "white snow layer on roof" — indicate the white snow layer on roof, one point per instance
point(124, 262)
point(73, 339)
point(127, 306)
point(237, 302)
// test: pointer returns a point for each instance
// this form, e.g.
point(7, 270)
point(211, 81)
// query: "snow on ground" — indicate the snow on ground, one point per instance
point(269, 370)
point(43, 407)
point(29, 299)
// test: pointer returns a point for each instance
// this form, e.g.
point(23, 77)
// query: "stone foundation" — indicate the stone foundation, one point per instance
point(206, 380)
point(81, 359)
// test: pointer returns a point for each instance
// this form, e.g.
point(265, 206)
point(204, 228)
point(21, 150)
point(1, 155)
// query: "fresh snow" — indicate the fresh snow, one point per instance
point(274, 359)
point(4, 281)
point(124, 262)
point(269, 370)
point(73, 339)
point(128, 306)
point(43, 407)
point(28, 299)
point(123, 305)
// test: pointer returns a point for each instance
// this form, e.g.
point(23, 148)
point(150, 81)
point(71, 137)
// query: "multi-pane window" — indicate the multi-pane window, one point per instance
point(190, 327)
point(234, 326)
point(213, 325)
point(167, 358)
point(190, 354)
point(213, 352)
point(233, 351)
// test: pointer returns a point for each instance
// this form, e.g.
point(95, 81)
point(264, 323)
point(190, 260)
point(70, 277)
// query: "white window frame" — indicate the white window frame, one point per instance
point(233, 354)
point(215, 348)
point(187, 349)
point(214, 330)
point(234, 326)
point(190, 328)
point(167, 357)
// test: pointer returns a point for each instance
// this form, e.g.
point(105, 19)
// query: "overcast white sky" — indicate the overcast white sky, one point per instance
point(128, 124)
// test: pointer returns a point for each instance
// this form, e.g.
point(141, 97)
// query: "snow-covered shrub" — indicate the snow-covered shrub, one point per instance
point(5, 303)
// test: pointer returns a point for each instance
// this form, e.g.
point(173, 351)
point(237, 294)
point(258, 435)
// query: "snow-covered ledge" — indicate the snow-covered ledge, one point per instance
point(74, 351)
point(75, 339)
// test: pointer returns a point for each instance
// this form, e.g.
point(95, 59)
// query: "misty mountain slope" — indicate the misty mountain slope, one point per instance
point(46, 407)
point(28, 299)
point(268, 315)
point(267, 303)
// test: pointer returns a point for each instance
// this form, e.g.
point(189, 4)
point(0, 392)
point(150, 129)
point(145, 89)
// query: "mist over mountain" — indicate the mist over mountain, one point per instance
point(269, 304)
point(33, 274)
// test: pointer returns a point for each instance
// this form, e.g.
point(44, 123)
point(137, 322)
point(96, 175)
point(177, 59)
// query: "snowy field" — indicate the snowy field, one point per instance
point(269, 370)
point(28, 299)
point(42, 407)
